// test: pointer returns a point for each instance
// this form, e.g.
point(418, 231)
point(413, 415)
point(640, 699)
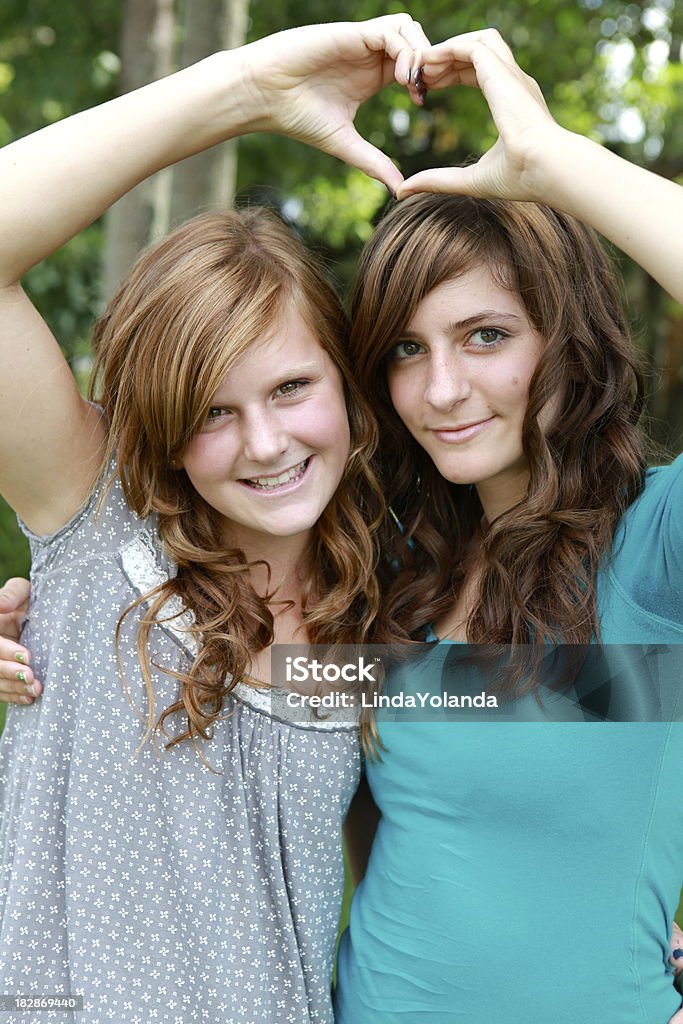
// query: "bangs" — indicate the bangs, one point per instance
point(420, 245)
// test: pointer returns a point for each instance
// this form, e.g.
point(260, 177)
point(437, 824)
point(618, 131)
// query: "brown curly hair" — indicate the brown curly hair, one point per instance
point(189, 308)
point(541, 557)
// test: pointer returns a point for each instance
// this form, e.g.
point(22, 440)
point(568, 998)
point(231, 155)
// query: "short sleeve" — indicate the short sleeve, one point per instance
point(649, 544)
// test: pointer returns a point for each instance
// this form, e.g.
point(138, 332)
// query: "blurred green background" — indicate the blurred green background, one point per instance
point(609, 69)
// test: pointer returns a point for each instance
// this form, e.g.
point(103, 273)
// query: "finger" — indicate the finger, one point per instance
point(462, 47)
point(449, 180)
point(13, 671)
point(401, 38)
point(14, 594)
point(21, 695)
point(13, 654)
point(514, 99)
point(414, 33)
point(352, 147)
point(456, 72)
point(17, 682)
point(11, 625)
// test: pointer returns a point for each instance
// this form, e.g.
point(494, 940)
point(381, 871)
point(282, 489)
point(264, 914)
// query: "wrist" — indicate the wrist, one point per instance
point(245, 75)
point(229, 104)
point(567, 161)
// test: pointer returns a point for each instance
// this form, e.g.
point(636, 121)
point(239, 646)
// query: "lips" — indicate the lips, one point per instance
point(461, 432)
point(275, 481)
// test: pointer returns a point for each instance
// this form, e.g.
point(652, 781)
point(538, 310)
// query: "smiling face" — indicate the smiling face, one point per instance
point(275, 443)
point(459, 379)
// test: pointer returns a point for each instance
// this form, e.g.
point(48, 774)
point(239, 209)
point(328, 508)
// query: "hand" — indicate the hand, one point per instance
point(677, 963)
point(512, 168)
point(13, 608)
point(309, 83)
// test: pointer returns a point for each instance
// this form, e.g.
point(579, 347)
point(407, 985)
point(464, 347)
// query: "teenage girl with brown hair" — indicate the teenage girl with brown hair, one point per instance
point(520, 872)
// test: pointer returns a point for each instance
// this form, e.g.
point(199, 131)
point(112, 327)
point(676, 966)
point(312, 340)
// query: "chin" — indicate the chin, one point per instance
point(462, 475)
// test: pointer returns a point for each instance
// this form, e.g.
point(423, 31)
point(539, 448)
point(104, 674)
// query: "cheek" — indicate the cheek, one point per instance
point(207, 455)
point(517, 392)
point(508, 387)
point(404, 395)
point(325, 423)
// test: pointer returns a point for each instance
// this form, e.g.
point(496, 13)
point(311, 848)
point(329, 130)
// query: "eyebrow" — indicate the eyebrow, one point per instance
point(453, 326)
point(288, 373)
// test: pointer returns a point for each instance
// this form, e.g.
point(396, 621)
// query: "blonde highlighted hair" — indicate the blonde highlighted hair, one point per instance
point(190, 308)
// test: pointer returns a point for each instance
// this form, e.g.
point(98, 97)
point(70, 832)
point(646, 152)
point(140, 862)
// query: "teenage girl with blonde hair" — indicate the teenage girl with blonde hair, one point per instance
point(215, 497)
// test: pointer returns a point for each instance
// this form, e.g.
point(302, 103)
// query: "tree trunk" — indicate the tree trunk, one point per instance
point(207, 181)
point(146, 54)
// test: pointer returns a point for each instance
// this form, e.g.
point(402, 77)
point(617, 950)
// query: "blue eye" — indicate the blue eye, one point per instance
point(490, 337)
point(405, 350)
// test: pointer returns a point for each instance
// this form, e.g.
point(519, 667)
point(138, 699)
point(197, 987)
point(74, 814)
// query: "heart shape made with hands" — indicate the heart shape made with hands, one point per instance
point(483, 60)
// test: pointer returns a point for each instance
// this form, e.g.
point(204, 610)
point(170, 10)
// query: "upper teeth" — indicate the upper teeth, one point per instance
point(278, 481)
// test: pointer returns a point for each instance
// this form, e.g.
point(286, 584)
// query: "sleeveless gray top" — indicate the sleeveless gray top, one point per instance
point(160, 890)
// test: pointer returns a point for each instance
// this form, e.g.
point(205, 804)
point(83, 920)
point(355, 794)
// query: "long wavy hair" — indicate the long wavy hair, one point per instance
point(189, 309)
point(540, 557)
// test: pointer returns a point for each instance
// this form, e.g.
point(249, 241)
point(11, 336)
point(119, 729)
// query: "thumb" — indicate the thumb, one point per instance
point(677, 1018)
point(14, 594)
point(353, 148)
point(451, 180)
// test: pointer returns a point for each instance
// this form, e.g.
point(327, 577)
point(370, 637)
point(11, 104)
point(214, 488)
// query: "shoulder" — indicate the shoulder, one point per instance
point(658, 509)
point(646, 561)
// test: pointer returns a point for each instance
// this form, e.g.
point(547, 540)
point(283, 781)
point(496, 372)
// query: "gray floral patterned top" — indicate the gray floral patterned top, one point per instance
point(160, 890)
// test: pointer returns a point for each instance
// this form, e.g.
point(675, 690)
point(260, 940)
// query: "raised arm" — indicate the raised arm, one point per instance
point(307, 83)
point(535, 159)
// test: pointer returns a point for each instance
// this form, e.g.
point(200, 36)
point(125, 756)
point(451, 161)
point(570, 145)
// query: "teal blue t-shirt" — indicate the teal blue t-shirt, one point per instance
point(528, 873)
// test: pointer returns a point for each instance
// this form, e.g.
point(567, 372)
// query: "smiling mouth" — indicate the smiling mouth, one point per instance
point(275, 482)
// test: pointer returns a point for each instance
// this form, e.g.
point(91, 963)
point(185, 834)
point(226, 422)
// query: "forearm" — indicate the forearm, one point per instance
point(59, 180)
point(635, 209)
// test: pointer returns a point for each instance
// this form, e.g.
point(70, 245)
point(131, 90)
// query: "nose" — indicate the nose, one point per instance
point(265, 439)
point(447, 383)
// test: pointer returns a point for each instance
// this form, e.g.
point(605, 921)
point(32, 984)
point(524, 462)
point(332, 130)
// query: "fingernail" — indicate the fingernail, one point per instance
point(20, 656)
point(677, 954)
point(25, 700)
point(21, 676)
point(408, 76)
